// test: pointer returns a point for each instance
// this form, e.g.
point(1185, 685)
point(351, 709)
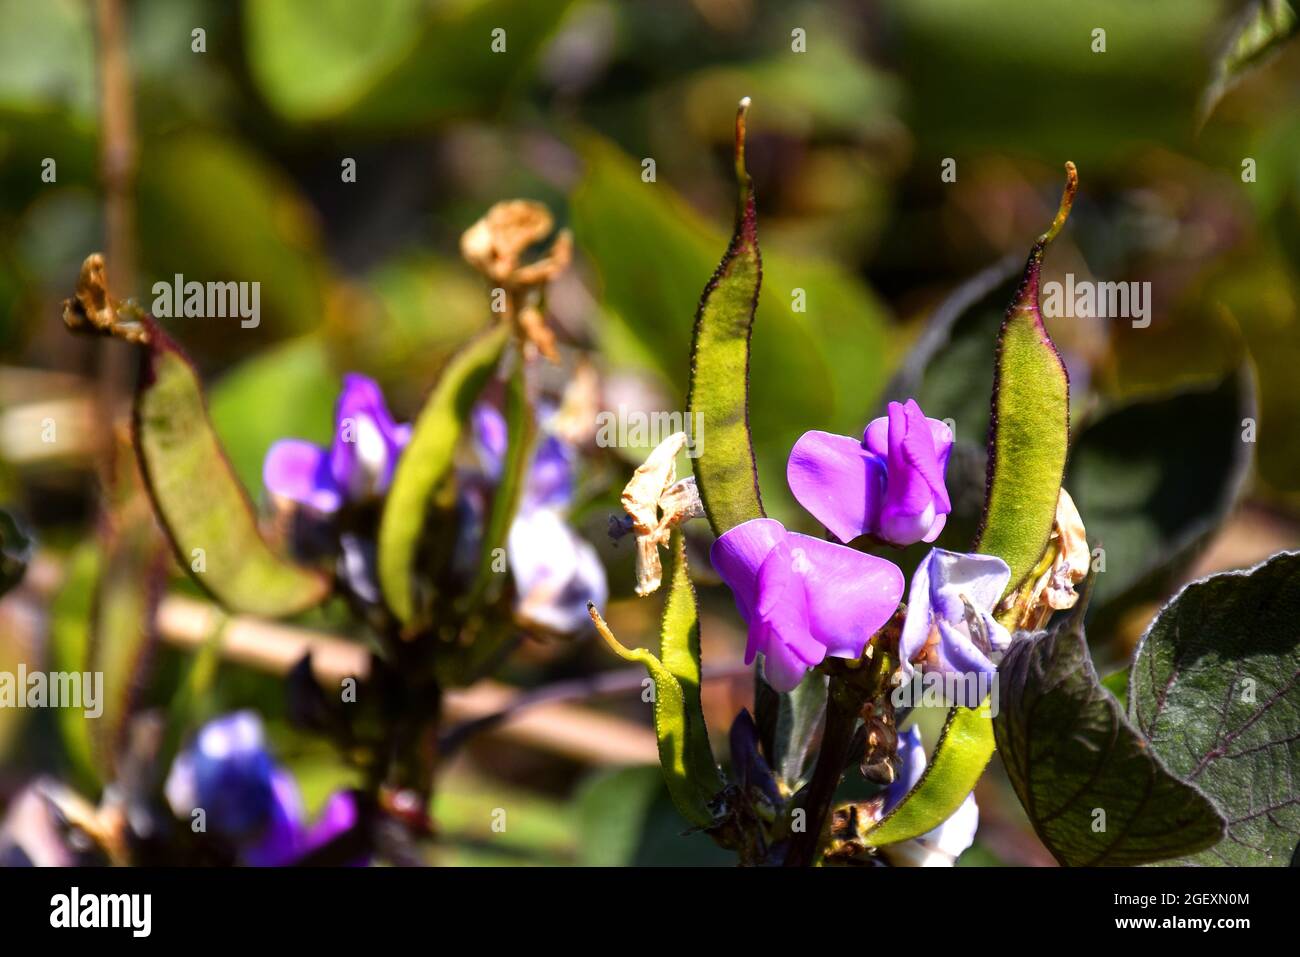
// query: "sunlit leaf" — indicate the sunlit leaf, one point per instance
point(1093, 789)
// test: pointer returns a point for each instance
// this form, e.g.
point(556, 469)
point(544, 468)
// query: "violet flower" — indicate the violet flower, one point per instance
point(942, 846)
point(359, 463)
point(891, 484)
point(247, 798)
point(555, 571)
point(950, 626)
point(803, 598)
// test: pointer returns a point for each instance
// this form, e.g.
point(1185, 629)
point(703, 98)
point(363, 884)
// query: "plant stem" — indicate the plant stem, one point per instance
point(842, 705)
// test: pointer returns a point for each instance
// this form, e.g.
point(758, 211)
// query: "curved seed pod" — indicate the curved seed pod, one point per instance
point(1029, 427)
point(1028, 437)
point(684, 751)
point(718, 399)
point(199, 501)
point(426, 462)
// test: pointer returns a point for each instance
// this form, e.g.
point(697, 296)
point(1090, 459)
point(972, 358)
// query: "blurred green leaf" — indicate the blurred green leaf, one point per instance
point(626, 819)
point(288, 391)
point(1153, 479)
point(1069, 753)
point(211, 210)
point(199, 500)
point(394, 64)
point(129, 586)
point(1030, 82)
point(1215, 692)
point(72, 614)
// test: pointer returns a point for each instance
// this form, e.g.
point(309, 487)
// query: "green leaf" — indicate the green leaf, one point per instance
point(1256, 36)
point(1130, 478)
point(626, 818)
point(799, 714)
point(427, 461)
point(1071, 757)
point(684, 754)
point(287, 391)
point(71, 625)
point(249, 223)
point(1216, 690)
point(393, 64)
point(15, 551)
point(1030, 423)
point(718, 400)
point(123, 633)
point(1117, 684)
point(960, 757)
point(198, 499)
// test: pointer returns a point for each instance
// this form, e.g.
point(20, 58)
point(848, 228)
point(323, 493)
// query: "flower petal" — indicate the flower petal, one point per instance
point(943, 845)
point(550, 480)
point(981, 578)
point(920, 615)
point(737, 556)
point(839, 482)
point(556, 572)
point(367, 442)
point(490, 436)
point(850, 595)
point(783, 604)
point(299, 471)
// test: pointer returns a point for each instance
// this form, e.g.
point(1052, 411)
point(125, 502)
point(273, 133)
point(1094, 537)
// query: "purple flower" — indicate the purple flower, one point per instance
point(247, 798)
point(555, 571)
point(358, 465)
point(891, 484)
point(949, 626)
point(942, 846)
point(803, 598)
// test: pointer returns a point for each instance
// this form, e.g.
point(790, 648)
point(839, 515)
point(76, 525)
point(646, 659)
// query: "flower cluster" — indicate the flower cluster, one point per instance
point(249, 800)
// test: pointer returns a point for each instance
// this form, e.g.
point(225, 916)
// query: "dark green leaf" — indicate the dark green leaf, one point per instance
point(1216, 690)
point(15, 551)
point(1152, 479)
point(1093, 789)
point(718, 401)
point(799, 715)
point(394, 63)
point(626, 818)
point(199, 500)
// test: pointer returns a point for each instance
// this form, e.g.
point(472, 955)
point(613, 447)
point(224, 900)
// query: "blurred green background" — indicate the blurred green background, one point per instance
point(240, 151)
